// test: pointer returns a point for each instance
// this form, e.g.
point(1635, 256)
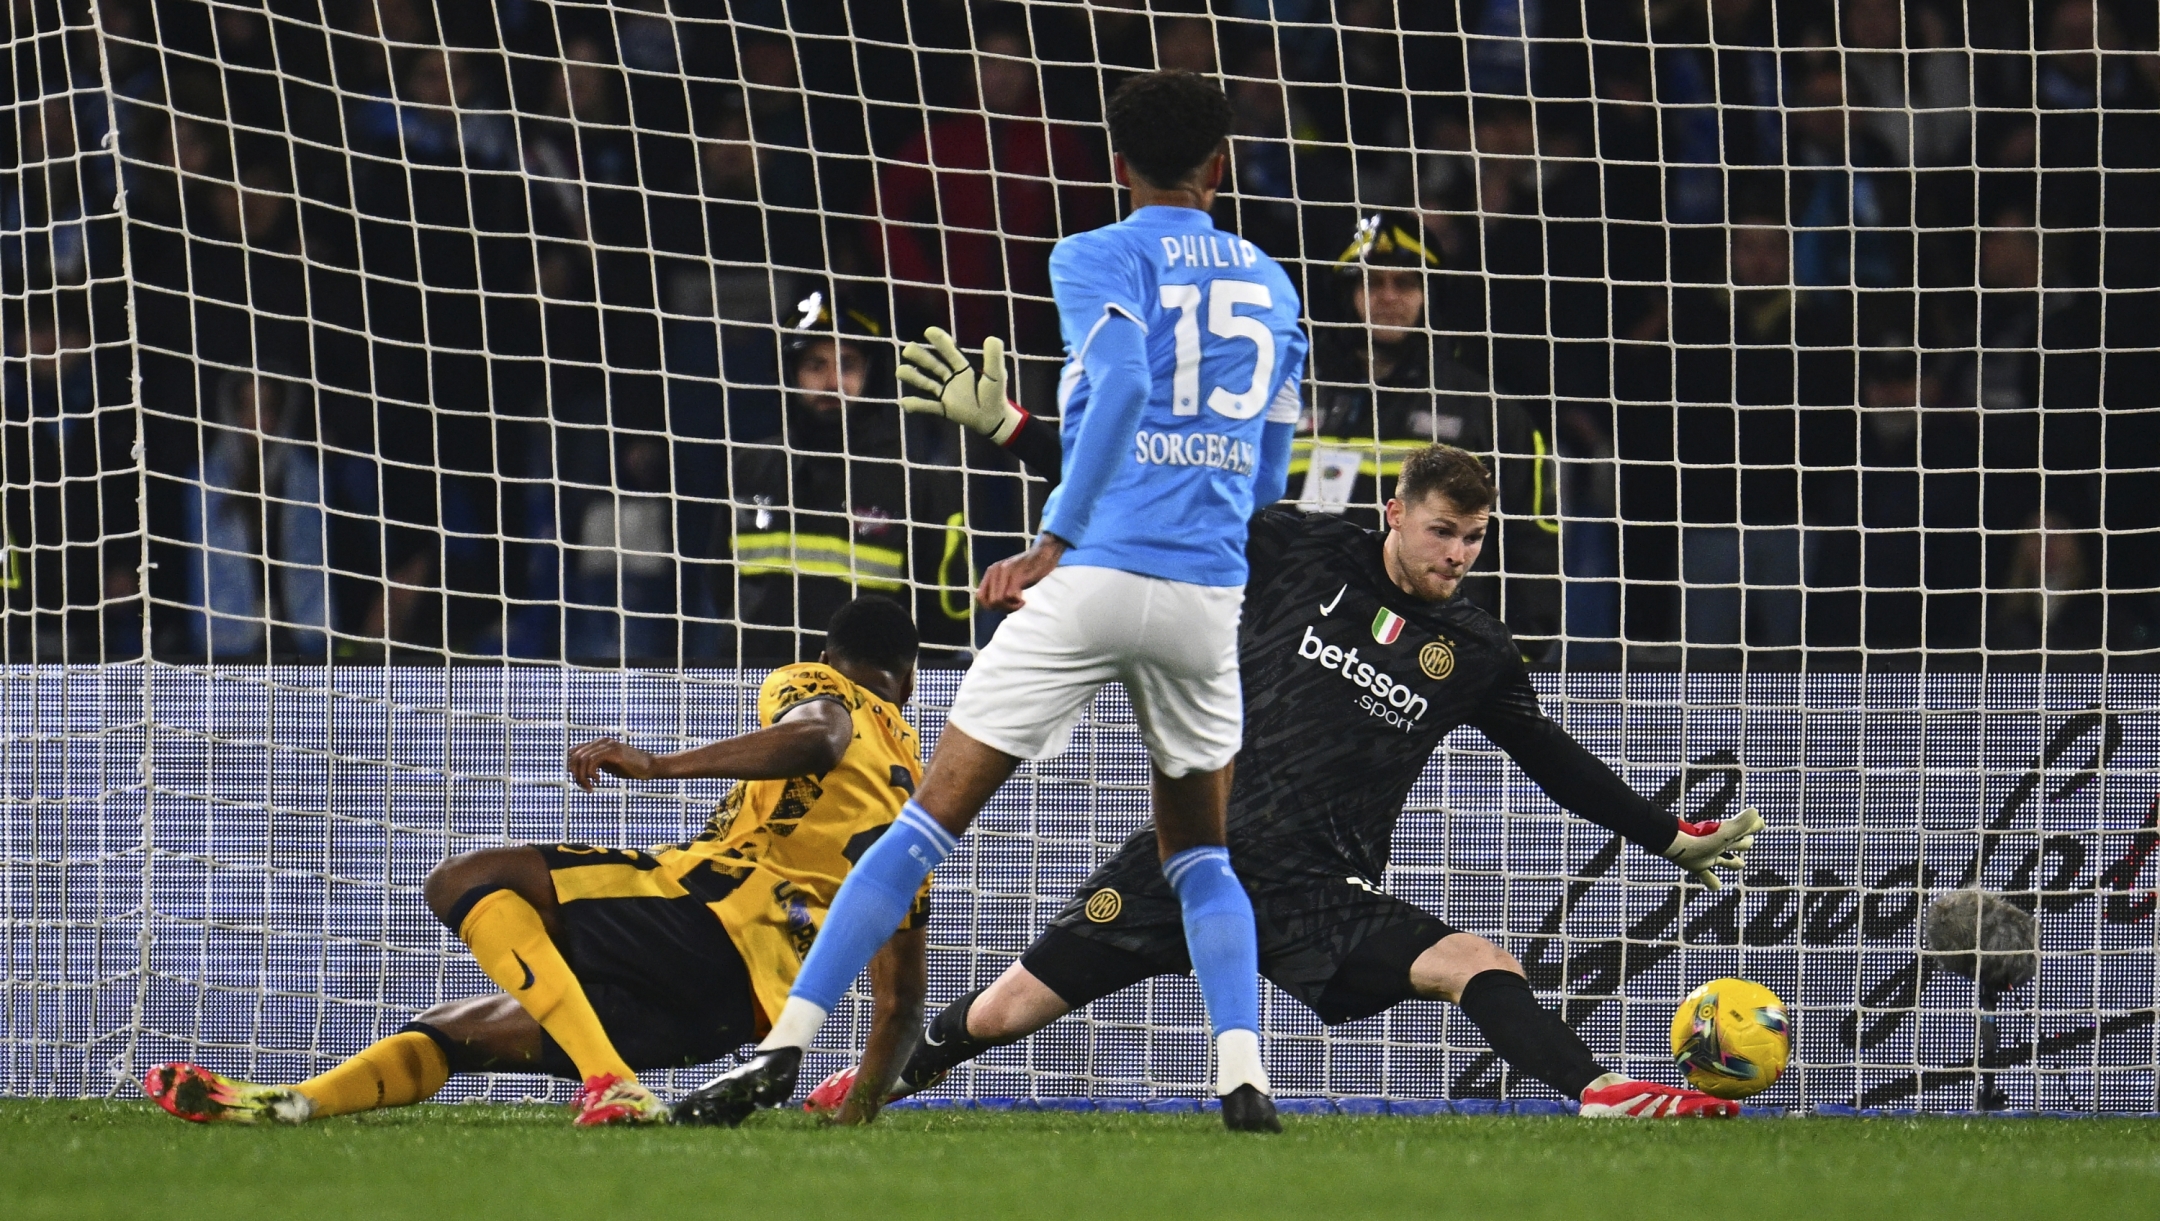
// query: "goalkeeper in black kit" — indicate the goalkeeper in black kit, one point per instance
point(1358, 657)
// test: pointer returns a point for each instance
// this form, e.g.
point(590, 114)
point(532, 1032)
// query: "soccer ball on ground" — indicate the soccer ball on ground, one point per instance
point(1731, 1038)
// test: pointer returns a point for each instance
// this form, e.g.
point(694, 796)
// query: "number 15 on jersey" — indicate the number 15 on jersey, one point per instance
point(1224, 296)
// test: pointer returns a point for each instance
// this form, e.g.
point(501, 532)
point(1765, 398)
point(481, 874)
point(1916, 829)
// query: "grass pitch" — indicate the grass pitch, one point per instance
point(95, 1159)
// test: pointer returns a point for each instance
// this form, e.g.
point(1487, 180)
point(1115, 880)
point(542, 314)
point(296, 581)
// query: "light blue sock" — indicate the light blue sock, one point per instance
point(1219, 936)
point(871, 903)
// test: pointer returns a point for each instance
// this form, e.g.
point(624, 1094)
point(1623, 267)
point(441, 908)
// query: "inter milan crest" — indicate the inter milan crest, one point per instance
point(1437, 660)
point(1104, 905)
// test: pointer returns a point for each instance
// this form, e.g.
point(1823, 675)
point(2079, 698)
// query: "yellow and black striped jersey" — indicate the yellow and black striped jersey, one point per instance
point(774, 853)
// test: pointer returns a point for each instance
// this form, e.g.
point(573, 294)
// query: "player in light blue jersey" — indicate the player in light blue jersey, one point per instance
point(1179, 397)
point(1182, 345)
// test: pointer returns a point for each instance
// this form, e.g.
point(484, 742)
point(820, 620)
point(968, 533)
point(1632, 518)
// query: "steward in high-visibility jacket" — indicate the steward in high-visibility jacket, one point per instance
point(1387, 387)
point(835, 505)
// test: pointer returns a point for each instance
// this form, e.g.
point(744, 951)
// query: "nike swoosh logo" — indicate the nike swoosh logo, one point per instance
point(528, 971)
point(931, 1040)
point(1329, 608)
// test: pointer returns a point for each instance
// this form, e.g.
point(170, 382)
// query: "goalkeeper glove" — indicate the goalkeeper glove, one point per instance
point(1703, 846)
point(955, 390)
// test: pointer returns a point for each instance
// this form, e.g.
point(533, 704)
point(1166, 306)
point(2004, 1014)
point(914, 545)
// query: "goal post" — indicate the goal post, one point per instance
point(398, 394)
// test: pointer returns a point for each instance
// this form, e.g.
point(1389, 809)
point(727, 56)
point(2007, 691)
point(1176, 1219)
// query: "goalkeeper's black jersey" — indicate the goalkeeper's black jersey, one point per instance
point(1350, 685)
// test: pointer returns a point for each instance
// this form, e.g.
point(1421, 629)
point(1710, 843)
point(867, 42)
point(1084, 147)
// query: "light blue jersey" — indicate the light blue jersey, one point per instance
point(1180, 392)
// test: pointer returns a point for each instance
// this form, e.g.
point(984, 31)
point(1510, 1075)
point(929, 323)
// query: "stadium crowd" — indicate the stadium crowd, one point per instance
point(493, 330)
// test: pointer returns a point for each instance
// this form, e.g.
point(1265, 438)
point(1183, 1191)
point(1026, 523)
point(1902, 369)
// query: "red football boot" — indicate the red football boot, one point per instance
point(1643, 1100)
point(831, 1092)
point(608, 1099)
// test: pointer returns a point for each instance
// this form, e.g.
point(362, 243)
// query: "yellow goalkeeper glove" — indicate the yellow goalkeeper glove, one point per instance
point(1703, 846)
point(955, 390)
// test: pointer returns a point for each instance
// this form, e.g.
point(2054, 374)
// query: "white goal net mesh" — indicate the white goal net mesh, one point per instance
point(397, 394)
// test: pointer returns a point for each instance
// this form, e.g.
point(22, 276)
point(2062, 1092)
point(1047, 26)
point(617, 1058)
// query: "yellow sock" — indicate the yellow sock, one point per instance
point(512, 946)
point(398, 1071)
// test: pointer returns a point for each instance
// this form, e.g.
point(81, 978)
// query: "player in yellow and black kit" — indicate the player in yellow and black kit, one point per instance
point(612, 960)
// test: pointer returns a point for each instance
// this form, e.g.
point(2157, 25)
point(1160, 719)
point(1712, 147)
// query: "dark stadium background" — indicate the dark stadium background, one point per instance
point(257, 241)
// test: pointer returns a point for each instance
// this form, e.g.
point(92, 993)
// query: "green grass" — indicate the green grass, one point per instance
point(91, 1159)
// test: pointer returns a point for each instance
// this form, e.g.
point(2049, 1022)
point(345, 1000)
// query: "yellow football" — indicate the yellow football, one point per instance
point(1731, 1038)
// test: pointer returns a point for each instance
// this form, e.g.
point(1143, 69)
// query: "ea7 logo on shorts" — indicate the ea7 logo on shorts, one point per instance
point(1104, 905)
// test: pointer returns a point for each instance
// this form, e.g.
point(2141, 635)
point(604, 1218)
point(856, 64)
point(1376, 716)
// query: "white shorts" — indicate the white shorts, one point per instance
point(1173, 645)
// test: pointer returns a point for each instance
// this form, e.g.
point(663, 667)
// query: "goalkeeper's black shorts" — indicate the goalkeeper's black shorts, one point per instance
point(667, 983)
point(1338, 945)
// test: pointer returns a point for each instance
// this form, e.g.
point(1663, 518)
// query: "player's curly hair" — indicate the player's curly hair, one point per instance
point(1167, 124)
point(876, 631)
point(1443, 470)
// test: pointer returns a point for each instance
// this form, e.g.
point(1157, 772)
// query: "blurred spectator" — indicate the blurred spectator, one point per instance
point(1893, 396)
point(2046, 599)
point(48, 386)
point(1749, 343)
point(1376, 103)
point(739, 286)
point(975, 203)
point(1747, 81)
point(440, 120)
point(256, 501)
point(2021, 326)
point(1263, 128)
point(648, 37)
point(2004, 372)
point(1742, 355)
point(260, 269)
point(779, 124)
point(836, 503)
point(622, 561)
point(46, 205)
point(1499, 54)
point(1911, 93)
point(49, 519)
point(2073, 74)
point(1846, 210)
point(1507, 165)
point(1122, 34)
point(578, 140)
point(1185, 43)
point(1687, 89)
point(1388, 385)
point(731, 164)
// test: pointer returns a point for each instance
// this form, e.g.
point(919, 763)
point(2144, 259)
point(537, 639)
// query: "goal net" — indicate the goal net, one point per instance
point(398, 394)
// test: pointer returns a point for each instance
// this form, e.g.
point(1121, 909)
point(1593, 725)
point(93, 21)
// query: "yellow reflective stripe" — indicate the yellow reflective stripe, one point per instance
point(1381, 458)
point(821, 555)
point(955, 539)
point(1545, 521)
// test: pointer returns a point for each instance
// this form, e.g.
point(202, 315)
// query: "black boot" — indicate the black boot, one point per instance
point(1246, 1109)
point(944, 1046)
point(763, 1081)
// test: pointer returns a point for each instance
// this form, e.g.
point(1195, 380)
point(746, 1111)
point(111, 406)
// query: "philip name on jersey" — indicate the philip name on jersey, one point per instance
point(1208, 250)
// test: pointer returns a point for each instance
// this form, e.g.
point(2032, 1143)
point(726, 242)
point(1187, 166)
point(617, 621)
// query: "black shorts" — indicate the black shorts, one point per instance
point(667, 983)
point(1338, 945)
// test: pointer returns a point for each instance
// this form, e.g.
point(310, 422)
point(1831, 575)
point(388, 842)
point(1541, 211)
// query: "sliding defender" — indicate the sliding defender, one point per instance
point(613, 960)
